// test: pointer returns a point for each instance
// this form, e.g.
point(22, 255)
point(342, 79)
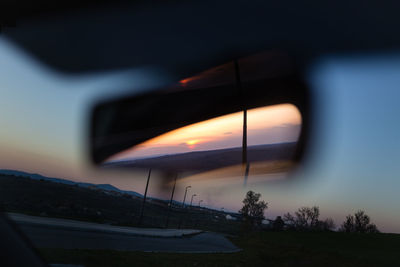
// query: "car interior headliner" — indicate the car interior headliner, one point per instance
point(185, 37)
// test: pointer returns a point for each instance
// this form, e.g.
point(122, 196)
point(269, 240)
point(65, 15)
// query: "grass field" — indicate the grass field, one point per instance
point(56, 200)
point(259, 249)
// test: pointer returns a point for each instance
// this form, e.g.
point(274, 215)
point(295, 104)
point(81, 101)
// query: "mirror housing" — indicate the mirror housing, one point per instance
point(257, 81)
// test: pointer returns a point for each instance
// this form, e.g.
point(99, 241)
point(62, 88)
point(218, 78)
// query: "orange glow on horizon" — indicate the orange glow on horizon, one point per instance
point(192, 143)
point(216, 131)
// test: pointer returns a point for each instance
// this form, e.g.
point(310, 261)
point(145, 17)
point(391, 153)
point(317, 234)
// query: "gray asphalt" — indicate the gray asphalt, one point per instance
point(98, 227)
point(52, 237)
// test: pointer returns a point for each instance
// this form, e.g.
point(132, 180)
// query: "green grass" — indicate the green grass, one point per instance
point(259, 249)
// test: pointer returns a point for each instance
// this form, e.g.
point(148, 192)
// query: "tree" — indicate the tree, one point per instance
point(372, 229)
point(348, 224)
point(278, 224)
point(326, 225)
point(358, 223)
point(253, 208)
point(329, 224)
point(290, 221)
point(306, 218)
point(361, 221)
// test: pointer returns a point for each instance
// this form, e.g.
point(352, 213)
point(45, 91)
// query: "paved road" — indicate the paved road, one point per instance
point(52, 237)
point(60, 233)
point(72, 224)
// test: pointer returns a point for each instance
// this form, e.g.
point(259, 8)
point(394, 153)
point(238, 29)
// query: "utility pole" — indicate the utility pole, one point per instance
point(144, 199)
point(183, 206)
point(170, 202)
point(184, 198)
point(191, 201)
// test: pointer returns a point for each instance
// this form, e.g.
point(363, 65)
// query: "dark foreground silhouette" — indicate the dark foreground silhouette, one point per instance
point(327, 249)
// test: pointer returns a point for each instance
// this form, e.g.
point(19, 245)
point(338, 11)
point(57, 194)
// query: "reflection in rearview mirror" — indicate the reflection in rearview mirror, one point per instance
point(261, 140)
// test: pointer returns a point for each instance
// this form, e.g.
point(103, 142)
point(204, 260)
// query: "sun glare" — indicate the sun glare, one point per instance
point(192, 143)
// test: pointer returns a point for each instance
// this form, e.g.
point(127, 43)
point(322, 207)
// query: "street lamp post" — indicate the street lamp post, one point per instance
point(191, 201)
point(184, 198)
point(144, 199)
point(200, 202)
point(170, 202)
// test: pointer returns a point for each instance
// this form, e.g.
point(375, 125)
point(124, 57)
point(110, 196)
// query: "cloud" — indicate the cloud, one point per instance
point(287, 125)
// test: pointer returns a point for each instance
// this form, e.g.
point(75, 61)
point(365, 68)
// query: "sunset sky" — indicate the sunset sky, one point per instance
point(351, 161)
point(266, 125)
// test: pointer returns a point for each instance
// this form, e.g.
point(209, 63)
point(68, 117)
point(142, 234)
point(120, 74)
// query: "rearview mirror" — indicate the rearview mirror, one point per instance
point(244, 117)
point(264, 140)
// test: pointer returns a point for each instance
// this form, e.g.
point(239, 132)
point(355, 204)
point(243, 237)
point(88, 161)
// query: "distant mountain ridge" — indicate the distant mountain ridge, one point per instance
point(104, 187)
point(35, 176)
